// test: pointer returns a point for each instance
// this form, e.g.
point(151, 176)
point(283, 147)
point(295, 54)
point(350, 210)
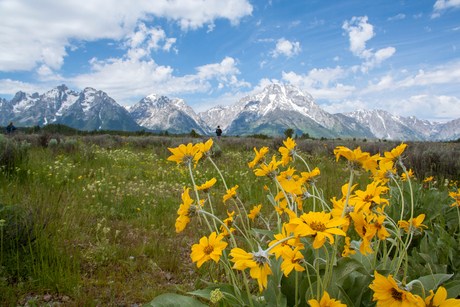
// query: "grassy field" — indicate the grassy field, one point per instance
point(90, 221)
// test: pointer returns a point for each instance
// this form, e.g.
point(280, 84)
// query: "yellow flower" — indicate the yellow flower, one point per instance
point(357, 159)
point(378, 227)
point(404, 176)
point(208, 249)
point(287, 175)
point(309, 177)
point(326, 301)
point(254, 212)
point(347, 249)
point(292, 189)
point(428, 179)
point(318, 225)
point(287, 152)
point(363, 228)
point(185, 211)
point(367, 200)
point(260, 157)
point(388, 294)
point(439, 299)
point(395, 154)
point(185, 154)
point(205, 187)
point(228, 222)
point(268, 170)
point(291, 260)
point(338, 208)
point(385, 172)
point(416, 223)
point(455, 196)
point(258, 262)
point(204, 149)
point(278, 249)
point(230, 193)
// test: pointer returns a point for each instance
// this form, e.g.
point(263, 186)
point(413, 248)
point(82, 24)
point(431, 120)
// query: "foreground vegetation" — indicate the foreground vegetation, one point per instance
point(90, 221)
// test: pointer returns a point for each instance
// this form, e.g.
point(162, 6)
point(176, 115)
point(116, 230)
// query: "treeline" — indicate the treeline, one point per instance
point(69, 131)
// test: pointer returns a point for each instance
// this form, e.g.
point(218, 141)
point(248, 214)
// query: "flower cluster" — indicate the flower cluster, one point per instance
point(309, 231)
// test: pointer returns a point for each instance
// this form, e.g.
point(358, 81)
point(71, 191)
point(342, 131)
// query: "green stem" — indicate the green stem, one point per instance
point(222, 223)
point(345, 206)
point(296, 288)
point(218, 170)
point(304, 162)
point(411, 218)
point(212, 211)
point(196, 193)
point(402, 199)
point(318, 278)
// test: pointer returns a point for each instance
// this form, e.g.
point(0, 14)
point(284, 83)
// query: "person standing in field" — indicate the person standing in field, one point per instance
point(218, 132)
point(10, 129)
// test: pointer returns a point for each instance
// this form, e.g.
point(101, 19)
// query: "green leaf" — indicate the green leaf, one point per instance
point(345, 266)
point(264, 232)
point(271, 294)
point(174, 300)
point(430, 282)
point(227, 290)
point(344, 298)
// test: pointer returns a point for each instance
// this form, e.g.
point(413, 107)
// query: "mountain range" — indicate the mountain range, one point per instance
point(276, 108)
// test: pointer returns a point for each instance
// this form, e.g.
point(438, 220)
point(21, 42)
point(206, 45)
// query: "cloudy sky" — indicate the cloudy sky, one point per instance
point(400, 56)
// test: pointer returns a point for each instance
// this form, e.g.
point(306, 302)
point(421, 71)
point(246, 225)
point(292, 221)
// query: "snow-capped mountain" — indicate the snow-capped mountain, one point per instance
point(161, 113)
point(388, 126)
point(277, 108)
point(87, 110)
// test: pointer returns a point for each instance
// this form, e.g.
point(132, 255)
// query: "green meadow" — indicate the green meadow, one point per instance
point(89, 221)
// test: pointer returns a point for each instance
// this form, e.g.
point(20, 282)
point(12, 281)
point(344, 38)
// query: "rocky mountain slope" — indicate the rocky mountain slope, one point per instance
point(161, 113)
point(87, 110)
point(276, 108)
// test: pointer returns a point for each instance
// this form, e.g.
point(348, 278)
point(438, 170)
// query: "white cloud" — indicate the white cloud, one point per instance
point(344, 106)
point(430, 107)
point(38, 32)
point(442, 5)
point(11, 87)
point(336, 58)
point(262, 63)
point(321, 83)
point(418, 15)
point(443, 74)
point(360, 32)
point(286, 47)
point(128, 78)
point(386, 82)
point(397, 17)
point(377, 58)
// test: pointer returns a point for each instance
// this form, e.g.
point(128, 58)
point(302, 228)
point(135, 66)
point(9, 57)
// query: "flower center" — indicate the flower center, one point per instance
point(186, 159)
point(318, 226)
point(396, 294)
point(364, 230)
point(208, 249)
point(355, 165)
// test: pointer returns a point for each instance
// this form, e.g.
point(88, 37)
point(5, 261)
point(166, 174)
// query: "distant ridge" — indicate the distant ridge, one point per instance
point(273, 110)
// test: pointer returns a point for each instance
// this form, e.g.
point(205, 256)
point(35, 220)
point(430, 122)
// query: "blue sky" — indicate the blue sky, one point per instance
point(399, 56)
